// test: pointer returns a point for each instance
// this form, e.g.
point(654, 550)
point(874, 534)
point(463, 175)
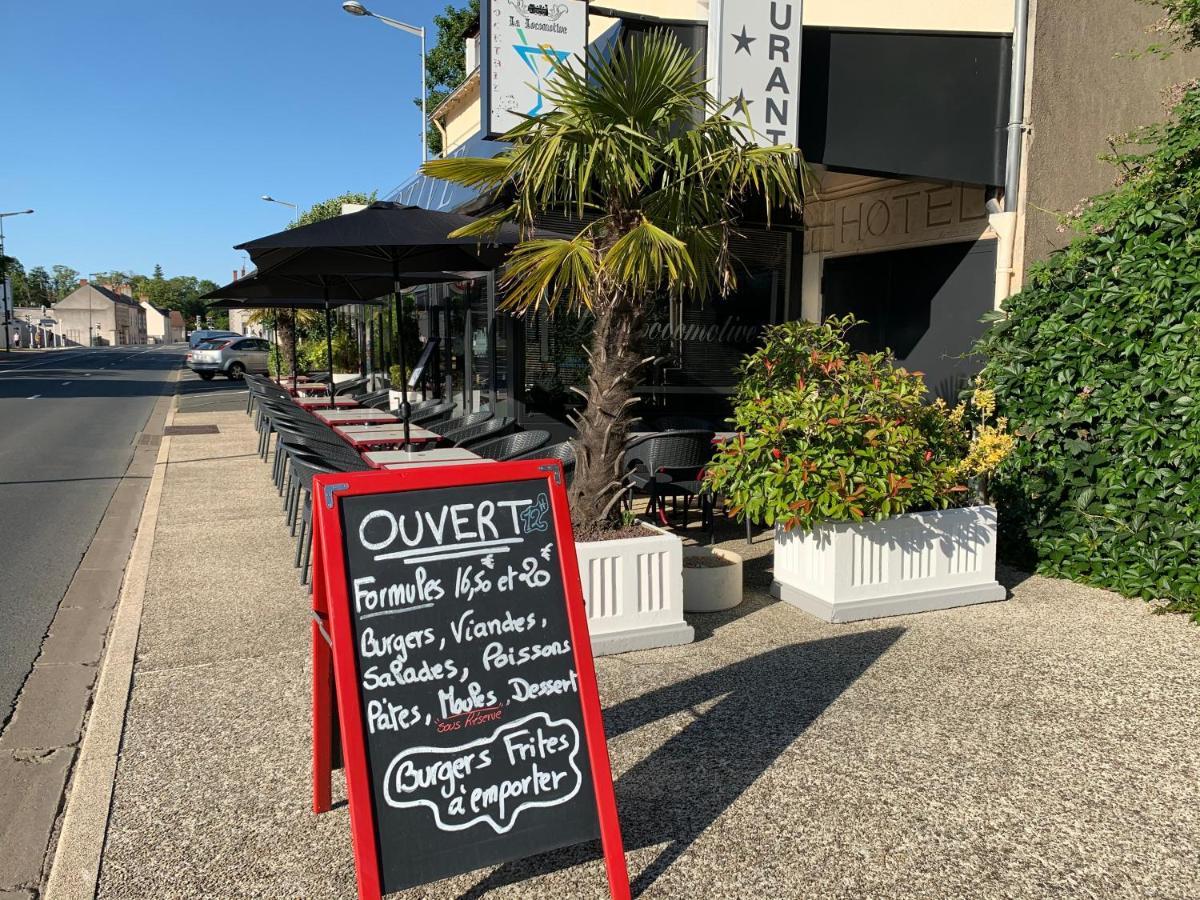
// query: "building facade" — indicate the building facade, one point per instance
point(100, 315)
point(945, 137)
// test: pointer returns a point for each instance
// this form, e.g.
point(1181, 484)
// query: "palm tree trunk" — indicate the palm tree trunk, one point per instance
point(616, 367)
point(287, 343)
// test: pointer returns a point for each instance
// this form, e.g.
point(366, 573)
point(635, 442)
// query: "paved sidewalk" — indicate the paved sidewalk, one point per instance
point(1041, 747)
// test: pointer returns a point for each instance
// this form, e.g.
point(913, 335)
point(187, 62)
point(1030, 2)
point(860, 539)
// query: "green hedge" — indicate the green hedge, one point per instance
point(1097, 364)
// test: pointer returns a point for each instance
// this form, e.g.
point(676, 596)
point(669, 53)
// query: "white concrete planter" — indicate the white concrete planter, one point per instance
point(842, 572)
point(634, 592)
point(712, 588)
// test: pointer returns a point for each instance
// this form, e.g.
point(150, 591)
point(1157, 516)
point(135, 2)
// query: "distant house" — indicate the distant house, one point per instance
point(239, 321)
point(158, 322)
point(99, 314)
point(163, 326)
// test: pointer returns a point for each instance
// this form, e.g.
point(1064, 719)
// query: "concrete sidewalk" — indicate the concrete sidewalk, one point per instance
point(1045, 746)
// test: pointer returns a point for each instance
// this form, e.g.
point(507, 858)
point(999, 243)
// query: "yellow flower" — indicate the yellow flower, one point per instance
point(984, 400)
point(989, 447)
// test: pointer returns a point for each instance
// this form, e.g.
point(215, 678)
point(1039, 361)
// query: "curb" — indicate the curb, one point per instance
point(76, 869)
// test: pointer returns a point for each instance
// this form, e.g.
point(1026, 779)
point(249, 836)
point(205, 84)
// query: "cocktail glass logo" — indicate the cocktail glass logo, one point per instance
point(540, 59)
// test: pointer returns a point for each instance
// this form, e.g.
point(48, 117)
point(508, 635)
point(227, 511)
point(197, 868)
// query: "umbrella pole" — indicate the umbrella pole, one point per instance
point(275, 341)
point(294, 351)
point(329, 346)
point(405, 409)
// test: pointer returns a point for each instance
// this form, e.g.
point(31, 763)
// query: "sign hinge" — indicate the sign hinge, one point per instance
point(554, 469)
point(330, 490)
point(320, 620)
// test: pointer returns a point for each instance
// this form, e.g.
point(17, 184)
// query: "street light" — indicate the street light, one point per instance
point(7, 300)
point(271, 199)
point(357, 9)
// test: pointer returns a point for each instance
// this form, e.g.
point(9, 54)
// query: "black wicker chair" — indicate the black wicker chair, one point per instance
point(670, 464)
point(465, 437)
point(432, 415)
point(511, 446)
point(460, 422)
point(563, 451)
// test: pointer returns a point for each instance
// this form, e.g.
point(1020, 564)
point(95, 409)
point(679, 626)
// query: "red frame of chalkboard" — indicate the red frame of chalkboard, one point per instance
point(331, 603)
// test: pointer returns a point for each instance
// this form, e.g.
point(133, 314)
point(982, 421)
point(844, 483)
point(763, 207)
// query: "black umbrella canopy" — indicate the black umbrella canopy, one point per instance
point(385, 238)
point(275, 291)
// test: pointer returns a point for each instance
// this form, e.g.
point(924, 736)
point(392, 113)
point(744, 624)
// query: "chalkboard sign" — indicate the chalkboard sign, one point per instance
point(470, 721)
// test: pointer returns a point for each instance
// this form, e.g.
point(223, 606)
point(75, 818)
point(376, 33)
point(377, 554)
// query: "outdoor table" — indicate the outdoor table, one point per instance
point(354, 416)
point(287, 379)
point(308, 388)
point(401, 459)
point(315, 403)
point(362, 436)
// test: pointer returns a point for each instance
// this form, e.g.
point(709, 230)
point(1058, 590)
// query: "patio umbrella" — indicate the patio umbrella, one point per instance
point(274, 291)
point(383, 239)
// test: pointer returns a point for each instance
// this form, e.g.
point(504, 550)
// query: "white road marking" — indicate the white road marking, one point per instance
point(34, 397)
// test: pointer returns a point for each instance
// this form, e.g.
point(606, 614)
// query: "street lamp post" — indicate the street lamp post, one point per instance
point(4, 274)
point(294, 206)
point(355, 8)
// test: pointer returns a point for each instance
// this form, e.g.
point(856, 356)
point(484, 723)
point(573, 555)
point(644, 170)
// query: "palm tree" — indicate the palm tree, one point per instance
point(286, 323)
point(643, 158)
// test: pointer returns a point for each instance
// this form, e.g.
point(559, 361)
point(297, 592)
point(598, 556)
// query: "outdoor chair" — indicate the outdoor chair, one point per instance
point(563, 451)
point(375, 399)
point(432, 415)
point(305, 468)
point(473, 434)
point(512, 445)
point(352, 387)
point(461, 422)
point(670, 464)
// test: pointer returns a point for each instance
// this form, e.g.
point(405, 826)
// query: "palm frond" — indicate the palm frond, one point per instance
point(542, 272)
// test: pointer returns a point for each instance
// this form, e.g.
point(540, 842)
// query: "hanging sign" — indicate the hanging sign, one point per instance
point(522, 40)
point(470, 724)
point(754, 61)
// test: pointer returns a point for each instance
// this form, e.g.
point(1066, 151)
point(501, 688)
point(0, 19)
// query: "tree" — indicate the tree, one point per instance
point(445, 66)
point(40, 287)
point(11, 268)
point(327, 209)
point(63, 280)
point(638, 150)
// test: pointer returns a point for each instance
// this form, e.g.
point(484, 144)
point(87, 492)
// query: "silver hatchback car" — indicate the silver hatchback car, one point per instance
point(232, 357)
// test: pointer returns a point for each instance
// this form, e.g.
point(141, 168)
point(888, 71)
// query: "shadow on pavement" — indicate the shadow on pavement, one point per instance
point(672, 796)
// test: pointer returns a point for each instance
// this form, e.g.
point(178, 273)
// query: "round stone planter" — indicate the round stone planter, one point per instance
point(711, 588)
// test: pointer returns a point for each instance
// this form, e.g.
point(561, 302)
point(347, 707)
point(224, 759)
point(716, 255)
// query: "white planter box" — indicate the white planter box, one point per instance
point(633, 588)
point(906, 564)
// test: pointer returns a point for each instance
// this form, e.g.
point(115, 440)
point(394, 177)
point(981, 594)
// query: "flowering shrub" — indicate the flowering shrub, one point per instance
point(827, 434)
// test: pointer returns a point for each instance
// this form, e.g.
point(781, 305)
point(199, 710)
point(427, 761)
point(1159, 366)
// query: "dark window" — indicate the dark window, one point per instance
point(924, 304)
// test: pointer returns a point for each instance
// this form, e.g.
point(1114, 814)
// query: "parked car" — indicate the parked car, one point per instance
point(233, 357)
point(196, 338)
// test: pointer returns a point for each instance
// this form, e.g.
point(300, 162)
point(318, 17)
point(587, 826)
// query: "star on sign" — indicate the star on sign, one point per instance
point(741, 104)
point(743, 41)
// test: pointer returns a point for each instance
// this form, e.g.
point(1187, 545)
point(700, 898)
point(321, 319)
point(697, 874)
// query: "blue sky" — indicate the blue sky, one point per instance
point(145, 132)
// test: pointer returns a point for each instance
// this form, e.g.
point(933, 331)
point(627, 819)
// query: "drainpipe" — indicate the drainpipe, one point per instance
point(1005, 223)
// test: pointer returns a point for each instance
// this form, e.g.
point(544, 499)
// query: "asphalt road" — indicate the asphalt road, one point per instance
point(68, 422)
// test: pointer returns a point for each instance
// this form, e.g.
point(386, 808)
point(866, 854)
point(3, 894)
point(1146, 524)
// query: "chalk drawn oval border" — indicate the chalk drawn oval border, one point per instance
point(491, 739)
